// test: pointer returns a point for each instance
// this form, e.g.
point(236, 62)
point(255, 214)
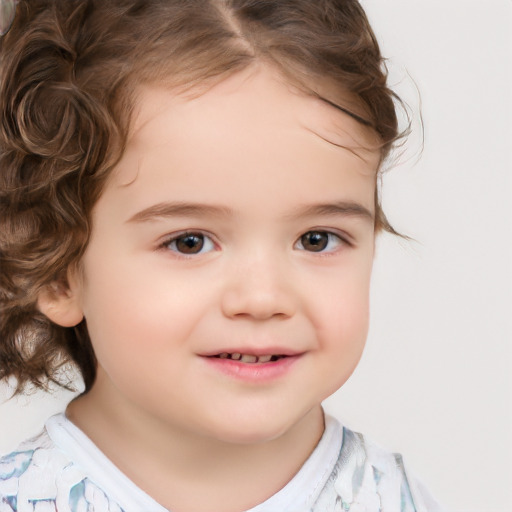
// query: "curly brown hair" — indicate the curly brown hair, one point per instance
point(69, 70)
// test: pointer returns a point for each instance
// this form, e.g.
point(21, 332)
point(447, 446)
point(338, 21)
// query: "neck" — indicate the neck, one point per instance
point(171, 464)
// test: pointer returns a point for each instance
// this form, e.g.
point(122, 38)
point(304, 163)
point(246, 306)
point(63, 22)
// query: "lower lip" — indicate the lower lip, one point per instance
point(252, 372)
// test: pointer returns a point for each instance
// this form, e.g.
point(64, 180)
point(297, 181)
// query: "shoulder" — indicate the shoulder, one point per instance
point(26, 468)
point(39, 472)
point(369, 478)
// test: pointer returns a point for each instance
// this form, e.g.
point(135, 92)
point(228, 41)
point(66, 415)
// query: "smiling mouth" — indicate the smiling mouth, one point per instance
point(249, 358)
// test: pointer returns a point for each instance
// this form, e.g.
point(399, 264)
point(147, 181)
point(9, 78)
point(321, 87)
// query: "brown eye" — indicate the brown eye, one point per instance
point(190, 243)
point(319, 241)
point(315, 241)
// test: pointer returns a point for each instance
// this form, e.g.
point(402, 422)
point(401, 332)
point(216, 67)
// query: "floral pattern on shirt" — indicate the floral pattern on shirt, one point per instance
point(41, 479)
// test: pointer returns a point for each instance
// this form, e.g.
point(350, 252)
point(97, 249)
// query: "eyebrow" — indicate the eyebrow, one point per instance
point(179, 209)
point(340, 208)
point(164, 210)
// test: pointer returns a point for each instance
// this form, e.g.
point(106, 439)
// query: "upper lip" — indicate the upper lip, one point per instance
point(255, 351)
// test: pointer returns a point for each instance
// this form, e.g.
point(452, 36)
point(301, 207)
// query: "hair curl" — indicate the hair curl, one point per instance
point(69, 70)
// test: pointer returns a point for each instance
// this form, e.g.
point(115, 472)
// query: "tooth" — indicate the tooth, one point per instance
point(264, 359)
point(224, 355)
point(236, 356)
point(249, 359)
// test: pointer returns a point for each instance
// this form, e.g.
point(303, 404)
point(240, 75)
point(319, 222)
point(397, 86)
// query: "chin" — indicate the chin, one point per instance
point(257, 429)
point(243, 434)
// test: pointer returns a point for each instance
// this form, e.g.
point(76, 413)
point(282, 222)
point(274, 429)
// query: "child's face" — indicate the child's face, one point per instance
point(235, 223)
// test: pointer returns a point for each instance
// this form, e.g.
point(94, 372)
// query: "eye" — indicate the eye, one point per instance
point(190, 243)
point(319, 241)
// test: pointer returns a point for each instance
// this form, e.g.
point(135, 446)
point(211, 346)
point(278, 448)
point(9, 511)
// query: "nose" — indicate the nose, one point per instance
point(259, 288)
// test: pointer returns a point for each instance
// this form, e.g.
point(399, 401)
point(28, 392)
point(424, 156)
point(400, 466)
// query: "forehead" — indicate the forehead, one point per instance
point(238, 100)
point(252, 127)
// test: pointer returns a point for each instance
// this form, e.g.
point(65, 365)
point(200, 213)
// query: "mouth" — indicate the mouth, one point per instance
point(253, 365)
point(250, 358)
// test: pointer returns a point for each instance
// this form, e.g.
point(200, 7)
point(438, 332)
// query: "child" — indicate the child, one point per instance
point(188, 214)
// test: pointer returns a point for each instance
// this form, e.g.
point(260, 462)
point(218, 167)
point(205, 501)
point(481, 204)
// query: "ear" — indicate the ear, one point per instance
point(60, 302)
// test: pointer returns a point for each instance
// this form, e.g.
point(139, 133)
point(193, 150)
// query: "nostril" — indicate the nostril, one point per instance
point(267, 298)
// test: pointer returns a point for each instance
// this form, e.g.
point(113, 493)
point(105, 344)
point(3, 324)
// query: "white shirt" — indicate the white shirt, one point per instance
point(63, 470)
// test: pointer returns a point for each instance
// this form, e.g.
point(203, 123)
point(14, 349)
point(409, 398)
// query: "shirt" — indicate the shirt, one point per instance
point(62, 470)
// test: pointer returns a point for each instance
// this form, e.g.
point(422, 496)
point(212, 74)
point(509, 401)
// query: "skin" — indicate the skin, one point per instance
point(264, 156)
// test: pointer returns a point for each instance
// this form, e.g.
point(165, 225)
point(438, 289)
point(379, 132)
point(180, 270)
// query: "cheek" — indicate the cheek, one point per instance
point(136, 311)
point(345, 323)
point(343, 339)
point(342, 310)
point(119, 309)
point(344, 292)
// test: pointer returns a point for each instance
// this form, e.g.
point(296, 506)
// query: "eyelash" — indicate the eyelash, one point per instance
point(331, 236)
point(170, 243)
point(172, 240)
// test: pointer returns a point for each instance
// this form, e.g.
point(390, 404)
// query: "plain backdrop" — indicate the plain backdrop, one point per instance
point(435, 380)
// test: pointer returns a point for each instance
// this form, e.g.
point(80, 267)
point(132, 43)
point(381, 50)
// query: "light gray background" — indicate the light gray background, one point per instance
point(435, 381)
